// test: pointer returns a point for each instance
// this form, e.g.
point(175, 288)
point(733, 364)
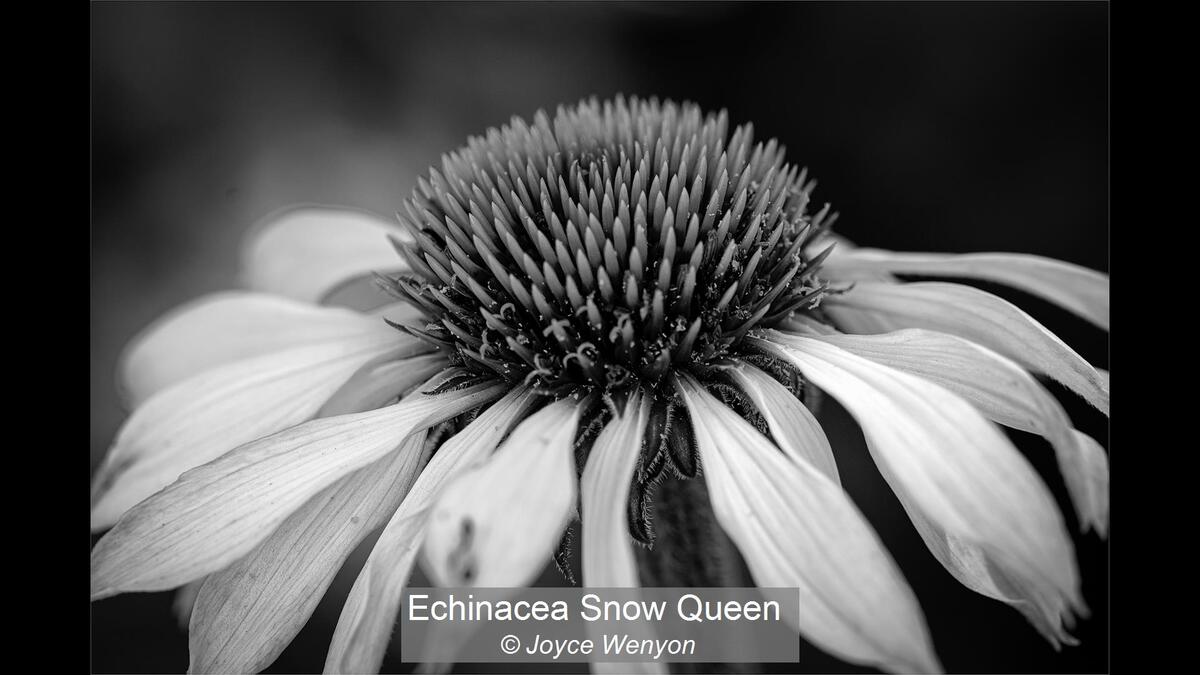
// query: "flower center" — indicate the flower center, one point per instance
point(608, 245)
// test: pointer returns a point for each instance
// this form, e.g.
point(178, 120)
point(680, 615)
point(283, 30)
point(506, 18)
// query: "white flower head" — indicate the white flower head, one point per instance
point(587, 303)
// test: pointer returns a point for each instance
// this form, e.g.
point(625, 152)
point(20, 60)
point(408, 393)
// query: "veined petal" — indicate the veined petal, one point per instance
point(822, 242)
point(981, 318)
point(249, 612)
point(863, 322)
point(305, 252)
point(216, 513)
point(792, 425)
point(796, 527)
point(525, 492)
point(366, 622)
point(1072, 287)
point(959, 468)
point(806, 325)
point(1002, 391)
point(380, 381)
point(608, 560)
point(203, 417)
point(604, 488)
point(1044, 606)
point(221, 328)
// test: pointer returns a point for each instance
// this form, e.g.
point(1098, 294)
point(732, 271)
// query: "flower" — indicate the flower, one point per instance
point(588, 303)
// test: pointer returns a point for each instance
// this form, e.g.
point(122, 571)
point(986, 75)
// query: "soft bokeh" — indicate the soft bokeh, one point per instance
point(933, 126)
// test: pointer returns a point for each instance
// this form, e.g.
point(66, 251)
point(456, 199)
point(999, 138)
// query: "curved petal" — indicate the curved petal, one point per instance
point(604, 490)
point(792, 425)
point(203, 417)
point(366, 622)
point(305, 252)
point(221, 328)
point(1093, 463)
point(981, 318)
point(247, 613)
point(497, 524)
point(806, 325)
point(959, 468)
point(1046, 608)
point(184, 601)
point(1002, 391)
point(217, 512)
point(608, 560)
point(1072, 287)
point(795, 527)
point(822, 242)
point(380, 382)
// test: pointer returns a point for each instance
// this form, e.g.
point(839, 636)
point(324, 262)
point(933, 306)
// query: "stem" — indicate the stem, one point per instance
point(690, 549)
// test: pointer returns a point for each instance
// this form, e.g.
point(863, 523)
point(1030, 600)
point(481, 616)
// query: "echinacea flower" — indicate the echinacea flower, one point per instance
point(586, 304)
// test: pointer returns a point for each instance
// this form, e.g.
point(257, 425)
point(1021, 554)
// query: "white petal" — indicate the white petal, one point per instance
point(498, 524)
point(1094, 462)
point(806, 325)
point(604, 488)
point(225, 327)
point(1044, 606)
point(821, 243)
point(608, 560)
point(791, 423)
point(203, 417)
point(795, 527)
point(366, 622)
point(980, 317)
point(249, 612)
point(959, 468)
point(1078, 289)
point(1002, 391)
point(217, 512)
point(185, 600)
point(380, 382)
point(306, 252)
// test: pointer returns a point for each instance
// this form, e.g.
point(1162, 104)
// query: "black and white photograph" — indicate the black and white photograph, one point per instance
point(599, 337)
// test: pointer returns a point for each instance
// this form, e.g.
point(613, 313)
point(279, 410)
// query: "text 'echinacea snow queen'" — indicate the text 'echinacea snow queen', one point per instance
point(587, 305)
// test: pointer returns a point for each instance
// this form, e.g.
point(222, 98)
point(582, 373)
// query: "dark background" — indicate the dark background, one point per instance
point(930, 126)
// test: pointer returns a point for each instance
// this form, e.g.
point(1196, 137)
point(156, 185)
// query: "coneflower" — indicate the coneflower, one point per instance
point(591, 304)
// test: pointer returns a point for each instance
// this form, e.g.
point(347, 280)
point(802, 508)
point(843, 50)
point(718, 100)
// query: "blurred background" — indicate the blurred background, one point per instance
point(930, 126)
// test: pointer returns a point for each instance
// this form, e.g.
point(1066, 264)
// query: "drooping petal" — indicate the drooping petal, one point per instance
point(1093, 461)
point(1044, 606)
point(305, 252)
point(216, 513)
point(222, 328)
point(1051, 613)
point(366, 622)
point(249, 612)
point(1077, 289)
point(796, 527)
point(524, 493)
point(958, 468)
point(608, 560)
point(981, 318)
point(791, 423)
point(1002, 391)
point(203, 417)
point(604, 489)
